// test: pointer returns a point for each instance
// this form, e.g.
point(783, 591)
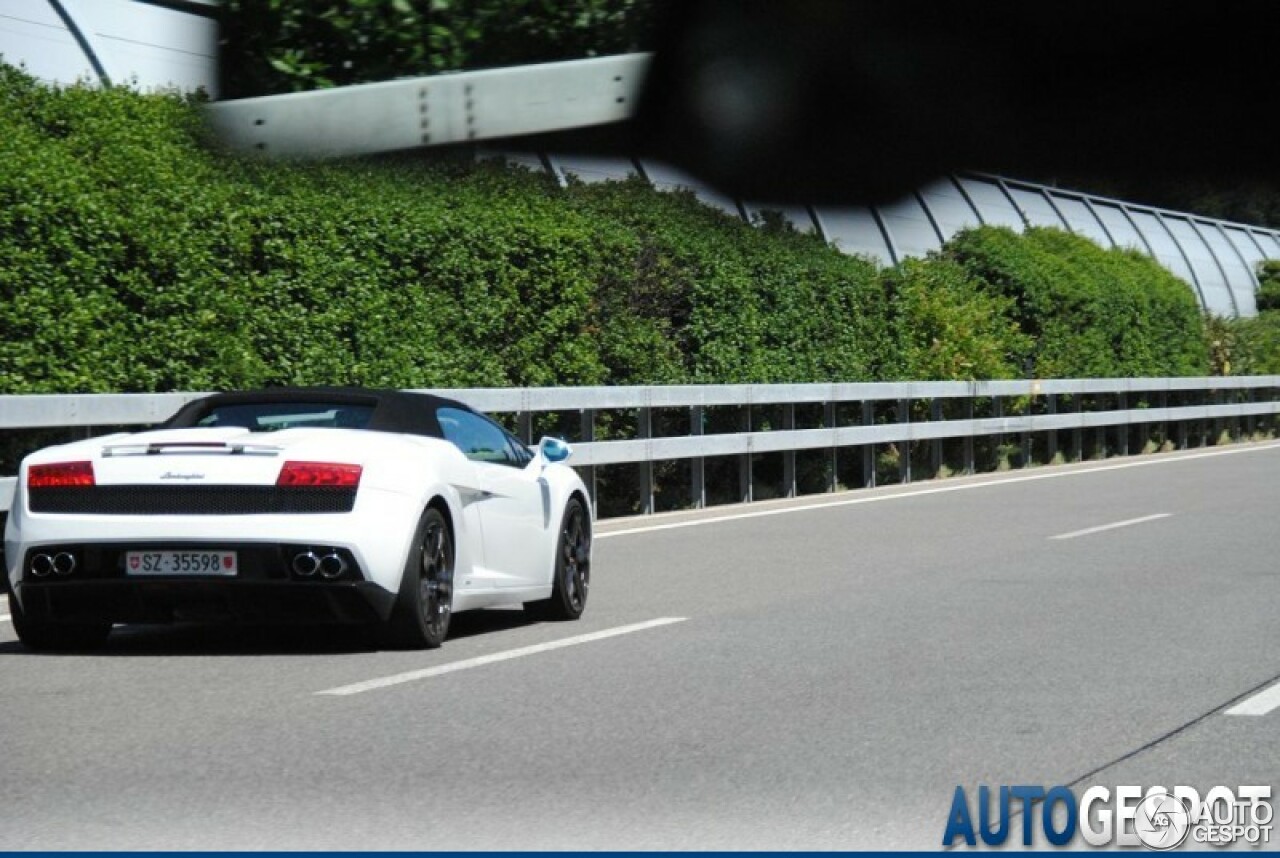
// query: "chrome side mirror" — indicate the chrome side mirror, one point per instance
point(554, 449)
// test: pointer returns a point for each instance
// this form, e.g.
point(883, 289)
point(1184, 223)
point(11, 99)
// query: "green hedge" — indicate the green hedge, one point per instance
point(1245, 346)
point(1092, 313)
point(730, 303)
point(133, 257)
point(948, 324)
point(1268, 285)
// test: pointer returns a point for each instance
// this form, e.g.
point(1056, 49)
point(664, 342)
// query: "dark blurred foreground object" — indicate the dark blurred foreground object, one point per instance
point(861, 101)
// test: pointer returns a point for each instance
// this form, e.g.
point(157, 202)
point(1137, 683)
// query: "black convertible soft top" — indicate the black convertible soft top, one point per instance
point(393, 410)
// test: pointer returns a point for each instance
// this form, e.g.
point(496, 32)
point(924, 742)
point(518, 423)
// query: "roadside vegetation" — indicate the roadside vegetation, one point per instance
point(134, 257)
point(1250, 346)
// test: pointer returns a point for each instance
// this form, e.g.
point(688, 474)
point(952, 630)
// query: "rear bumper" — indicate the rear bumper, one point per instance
point(234, 601)
point(377, 534)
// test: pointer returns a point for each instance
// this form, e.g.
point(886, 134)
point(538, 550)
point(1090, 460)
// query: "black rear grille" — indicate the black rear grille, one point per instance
point(192, 500)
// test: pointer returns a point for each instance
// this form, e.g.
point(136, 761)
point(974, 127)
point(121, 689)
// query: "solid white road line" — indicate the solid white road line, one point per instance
point(1100, 528)
point(1051, 474)
point(1262, 703)
point(480, 661)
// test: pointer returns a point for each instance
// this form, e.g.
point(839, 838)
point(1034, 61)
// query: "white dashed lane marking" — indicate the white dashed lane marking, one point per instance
point(1104, 527)
point(1264, 702)
point(480, 661)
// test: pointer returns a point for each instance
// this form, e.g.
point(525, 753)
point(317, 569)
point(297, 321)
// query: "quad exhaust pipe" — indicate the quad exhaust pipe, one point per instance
point(331, 565)
point(44, 565)
point(306, 564)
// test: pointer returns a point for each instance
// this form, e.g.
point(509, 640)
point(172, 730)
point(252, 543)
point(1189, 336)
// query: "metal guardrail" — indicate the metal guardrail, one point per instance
point(1241, 400)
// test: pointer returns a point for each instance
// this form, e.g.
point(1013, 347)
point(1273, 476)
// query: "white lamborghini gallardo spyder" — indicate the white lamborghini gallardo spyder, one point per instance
point(304, 505)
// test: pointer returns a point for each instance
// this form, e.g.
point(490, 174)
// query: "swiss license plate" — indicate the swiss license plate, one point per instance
point(181, 563)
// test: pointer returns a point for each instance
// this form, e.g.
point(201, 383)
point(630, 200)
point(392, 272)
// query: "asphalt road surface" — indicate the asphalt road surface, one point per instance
point(818, 674)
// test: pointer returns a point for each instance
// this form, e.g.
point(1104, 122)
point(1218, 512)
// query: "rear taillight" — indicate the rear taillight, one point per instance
point(319, 474)
point(61, 475)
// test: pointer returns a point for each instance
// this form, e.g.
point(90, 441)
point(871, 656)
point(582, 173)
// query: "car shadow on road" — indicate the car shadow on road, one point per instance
point(487, 622)
point(203, 640)
point(206, 640)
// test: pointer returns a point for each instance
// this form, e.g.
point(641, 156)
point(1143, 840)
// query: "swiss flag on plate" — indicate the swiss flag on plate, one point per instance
point(133, 562)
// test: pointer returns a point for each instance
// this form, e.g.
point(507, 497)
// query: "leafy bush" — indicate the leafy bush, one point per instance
point(1246, 346)
point(736, 304)
point(1091, 312)
point(1260, 341)
point(1268, 294)
point(948, 326)
point(135, 258)
point(132, 258)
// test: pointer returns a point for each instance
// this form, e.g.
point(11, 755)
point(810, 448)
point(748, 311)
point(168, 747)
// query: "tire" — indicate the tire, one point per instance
point(572, 580)
point(40, 636)
point(424, 605)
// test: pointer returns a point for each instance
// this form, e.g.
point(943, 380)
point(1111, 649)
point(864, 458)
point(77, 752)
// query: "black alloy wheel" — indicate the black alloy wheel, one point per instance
point(435, 581)
point(424, 604)
point(572, 581)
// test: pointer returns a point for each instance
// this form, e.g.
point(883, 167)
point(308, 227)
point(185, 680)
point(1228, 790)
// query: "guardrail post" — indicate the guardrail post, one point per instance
point(1183, 440)
point(1214, 427)
point(935, 414)
point(1204, 426)
point(1234, 424)
point(904, 455)
point(1024, 438)
point(869, 450)
point(970, 466)
point(587, 423)
point(1077, 434)
point(644, 429)
point(1195, 428)
point(789, 456)
point(1051, 407)
point(1122, 426)
point(744, 461)
point(833, 461)
point(1100, 439)
point(524, 426)
point(1250, 424)
point(1162, 428)
point(997, 410)
point(1144, 427)
point(1216, 399)
point(697, 466)
point(1271, 416)
point(1231, 423)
